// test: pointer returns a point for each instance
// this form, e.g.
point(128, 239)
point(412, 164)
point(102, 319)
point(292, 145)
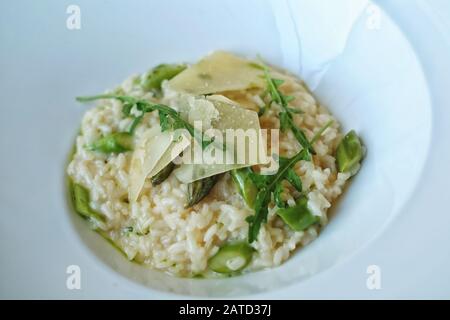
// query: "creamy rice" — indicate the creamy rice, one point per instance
point(168, 237)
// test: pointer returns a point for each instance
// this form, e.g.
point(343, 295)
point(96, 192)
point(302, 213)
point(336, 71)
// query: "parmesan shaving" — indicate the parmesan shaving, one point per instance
point(218, 72)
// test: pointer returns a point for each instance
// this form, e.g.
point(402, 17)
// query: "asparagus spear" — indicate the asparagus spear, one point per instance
point(231, 258)
point(199, 189)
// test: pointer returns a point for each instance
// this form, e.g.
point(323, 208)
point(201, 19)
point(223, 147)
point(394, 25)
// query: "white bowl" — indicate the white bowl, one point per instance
point(380, 94)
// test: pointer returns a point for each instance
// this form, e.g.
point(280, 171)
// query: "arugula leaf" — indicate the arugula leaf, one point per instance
point(300, 136)
point(169, 118)
point(268, 185)
point(261, 212)
point(284, 121)
point(164, 121)
point(294, 180)
point(122, 98)
point(287, 113)
point(277, 195)
point(295, 111)
point(126, 109)
point(319, 133)
point(135, 123)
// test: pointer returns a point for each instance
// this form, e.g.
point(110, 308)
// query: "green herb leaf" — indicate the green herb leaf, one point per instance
point(134, 124)
point(126, 109)
point(266, 186)
point(261, 212)
point(286, 115)
point(294, 111)
point(259, 180)
point(171, 118)
point(122, 98)
point(319, 133)
point(164, 121)
point(284, 121)
point(294, 180)
point(300, 136)
point(289, 99)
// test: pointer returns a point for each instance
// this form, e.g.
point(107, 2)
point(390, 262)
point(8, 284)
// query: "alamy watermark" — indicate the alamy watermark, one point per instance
point(73, 21)
point(373, 281)
point(373, 21)
point(73, 280)
point(229, 147)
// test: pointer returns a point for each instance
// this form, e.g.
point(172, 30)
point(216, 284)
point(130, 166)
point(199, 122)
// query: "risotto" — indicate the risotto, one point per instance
point(127, 177)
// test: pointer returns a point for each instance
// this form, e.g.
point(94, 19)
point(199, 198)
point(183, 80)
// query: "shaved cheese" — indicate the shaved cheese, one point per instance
point(202, 110)
point(231, 116)
point(220, 98)
point(153, 152)
point(172, 152)
point(191, 108)
point(156, 149)
point(148, 151)
point(218, 72)
point(188, 173)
